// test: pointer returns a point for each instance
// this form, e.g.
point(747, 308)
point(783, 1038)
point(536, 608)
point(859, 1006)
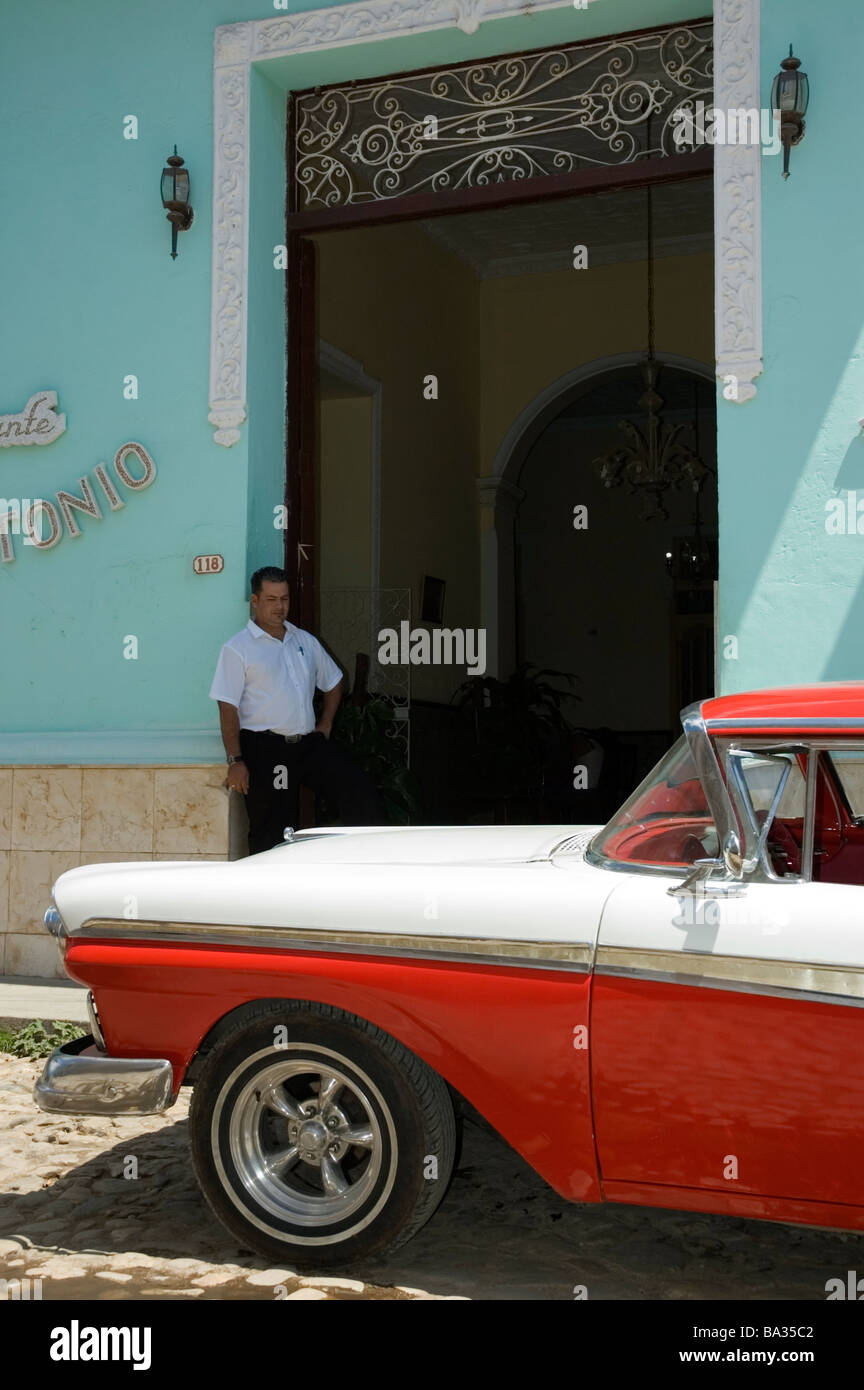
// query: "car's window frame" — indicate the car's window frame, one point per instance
point(601, 860)
point(756, 833)
point(839, 786)
point(812, 748)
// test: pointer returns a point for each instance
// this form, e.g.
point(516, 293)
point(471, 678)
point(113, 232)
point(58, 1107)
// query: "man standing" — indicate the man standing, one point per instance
point(265, 681)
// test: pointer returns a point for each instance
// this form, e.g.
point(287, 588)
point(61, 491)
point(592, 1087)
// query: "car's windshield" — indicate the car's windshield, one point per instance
point(666, 821)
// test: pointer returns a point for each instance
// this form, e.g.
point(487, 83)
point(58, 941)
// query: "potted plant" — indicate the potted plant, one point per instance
point(513, 736)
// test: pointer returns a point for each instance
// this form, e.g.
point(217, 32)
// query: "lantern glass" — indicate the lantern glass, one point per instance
point(168, 182)
point(783, 92)
point(791, 91)
point(181, 186)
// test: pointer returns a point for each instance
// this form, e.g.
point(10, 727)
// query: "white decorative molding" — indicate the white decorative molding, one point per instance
point(236, 47)
point(232, 57)
point(737, 205)
point(334, 26)
point(737, 211)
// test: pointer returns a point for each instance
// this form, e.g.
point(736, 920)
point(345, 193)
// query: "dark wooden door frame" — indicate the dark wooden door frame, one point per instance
point(604, 178)
point(301, 429)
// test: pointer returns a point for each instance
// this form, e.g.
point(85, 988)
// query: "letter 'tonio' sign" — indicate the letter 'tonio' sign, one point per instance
point(37, 423)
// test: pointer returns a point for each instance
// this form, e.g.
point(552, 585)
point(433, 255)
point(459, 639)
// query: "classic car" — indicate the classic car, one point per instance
point(663, 1011)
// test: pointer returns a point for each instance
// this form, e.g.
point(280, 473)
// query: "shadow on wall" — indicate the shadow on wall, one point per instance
point(843, 664)
point(850, 474)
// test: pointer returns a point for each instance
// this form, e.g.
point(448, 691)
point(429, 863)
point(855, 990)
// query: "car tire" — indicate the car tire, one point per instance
point(315, 1183)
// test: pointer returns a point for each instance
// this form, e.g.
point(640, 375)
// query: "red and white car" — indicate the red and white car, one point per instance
point(665, 1011)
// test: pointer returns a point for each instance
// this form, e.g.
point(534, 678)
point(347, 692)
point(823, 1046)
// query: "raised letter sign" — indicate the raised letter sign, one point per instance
point(37, 423)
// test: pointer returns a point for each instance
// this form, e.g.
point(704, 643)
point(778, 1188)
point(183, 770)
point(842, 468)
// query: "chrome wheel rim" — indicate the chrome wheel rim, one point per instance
point(305, 1140)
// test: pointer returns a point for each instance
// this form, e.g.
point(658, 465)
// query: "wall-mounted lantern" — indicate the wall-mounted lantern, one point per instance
point(175, 197)
point(790, 95)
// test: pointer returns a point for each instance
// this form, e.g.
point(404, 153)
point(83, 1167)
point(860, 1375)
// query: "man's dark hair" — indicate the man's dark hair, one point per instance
point(268, 572)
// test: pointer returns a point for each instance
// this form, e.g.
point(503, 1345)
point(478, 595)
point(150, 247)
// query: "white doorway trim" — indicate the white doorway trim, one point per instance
point(737, 170)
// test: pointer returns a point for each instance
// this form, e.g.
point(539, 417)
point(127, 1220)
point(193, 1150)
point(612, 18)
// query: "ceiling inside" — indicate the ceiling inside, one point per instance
point(538, 238)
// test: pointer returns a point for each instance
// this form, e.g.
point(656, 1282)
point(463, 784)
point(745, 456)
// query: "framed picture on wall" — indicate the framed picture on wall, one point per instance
point(432, 601)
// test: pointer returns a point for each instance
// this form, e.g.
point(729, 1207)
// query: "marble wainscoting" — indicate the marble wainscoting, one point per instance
point(55, 818)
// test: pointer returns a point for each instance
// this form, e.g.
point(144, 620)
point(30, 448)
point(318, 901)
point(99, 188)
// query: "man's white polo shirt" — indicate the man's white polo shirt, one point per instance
point(271, 682)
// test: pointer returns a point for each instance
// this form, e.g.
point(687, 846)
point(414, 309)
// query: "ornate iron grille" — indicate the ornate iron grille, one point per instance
point(523, 116)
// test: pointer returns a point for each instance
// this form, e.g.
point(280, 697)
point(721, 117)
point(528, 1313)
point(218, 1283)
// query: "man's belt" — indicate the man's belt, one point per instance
point(271, 733)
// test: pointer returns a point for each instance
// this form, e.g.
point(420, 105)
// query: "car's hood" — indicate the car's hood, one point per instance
point(438, 844)
point(353, 876)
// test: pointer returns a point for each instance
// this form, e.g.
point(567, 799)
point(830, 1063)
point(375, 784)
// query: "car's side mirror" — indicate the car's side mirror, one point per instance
point(701, 884)
point(733, 859)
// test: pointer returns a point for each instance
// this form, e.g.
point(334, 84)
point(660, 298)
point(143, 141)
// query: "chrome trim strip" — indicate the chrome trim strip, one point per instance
point(795, 979)
point(539, 955)
point(736, 987)
point(79, 1080)
point(799, 725)
point(767, 743)
point(809, 815)
point(708, 770)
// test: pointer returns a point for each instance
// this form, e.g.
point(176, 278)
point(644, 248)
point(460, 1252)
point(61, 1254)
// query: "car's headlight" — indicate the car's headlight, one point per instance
point(54, 922)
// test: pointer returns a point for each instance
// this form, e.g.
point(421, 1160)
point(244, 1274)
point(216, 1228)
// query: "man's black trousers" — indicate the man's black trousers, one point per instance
point(277, 770)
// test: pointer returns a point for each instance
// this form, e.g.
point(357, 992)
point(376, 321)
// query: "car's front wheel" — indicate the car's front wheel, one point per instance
point(316, 1138)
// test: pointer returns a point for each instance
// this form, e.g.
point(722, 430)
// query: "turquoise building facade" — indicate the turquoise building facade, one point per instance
point(108, 743)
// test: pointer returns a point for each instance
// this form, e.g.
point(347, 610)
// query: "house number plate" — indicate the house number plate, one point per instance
point(208, 564)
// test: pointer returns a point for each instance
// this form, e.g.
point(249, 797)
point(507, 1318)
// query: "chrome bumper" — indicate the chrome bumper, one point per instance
point(80, 1079)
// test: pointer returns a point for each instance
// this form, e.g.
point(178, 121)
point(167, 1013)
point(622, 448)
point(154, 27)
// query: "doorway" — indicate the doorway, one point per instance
point(421, 334)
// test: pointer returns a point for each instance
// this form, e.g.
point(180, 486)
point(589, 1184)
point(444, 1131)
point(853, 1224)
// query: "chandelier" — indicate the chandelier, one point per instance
point(656, 458)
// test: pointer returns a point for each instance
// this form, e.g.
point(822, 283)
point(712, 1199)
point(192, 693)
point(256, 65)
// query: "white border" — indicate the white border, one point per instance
point(737, 190)
point(737, 204)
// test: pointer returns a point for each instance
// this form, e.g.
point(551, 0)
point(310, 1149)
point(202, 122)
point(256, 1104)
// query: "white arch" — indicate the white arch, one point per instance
point(531, 422)
point(500, 495)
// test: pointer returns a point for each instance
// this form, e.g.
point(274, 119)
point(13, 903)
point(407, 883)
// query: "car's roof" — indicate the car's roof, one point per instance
point(830, 707)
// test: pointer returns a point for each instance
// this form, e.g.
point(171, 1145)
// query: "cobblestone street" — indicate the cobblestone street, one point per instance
point(71, 1218)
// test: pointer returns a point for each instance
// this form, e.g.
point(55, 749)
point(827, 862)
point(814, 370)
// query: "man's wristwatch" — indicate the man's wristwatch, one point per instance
point(232, 759)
